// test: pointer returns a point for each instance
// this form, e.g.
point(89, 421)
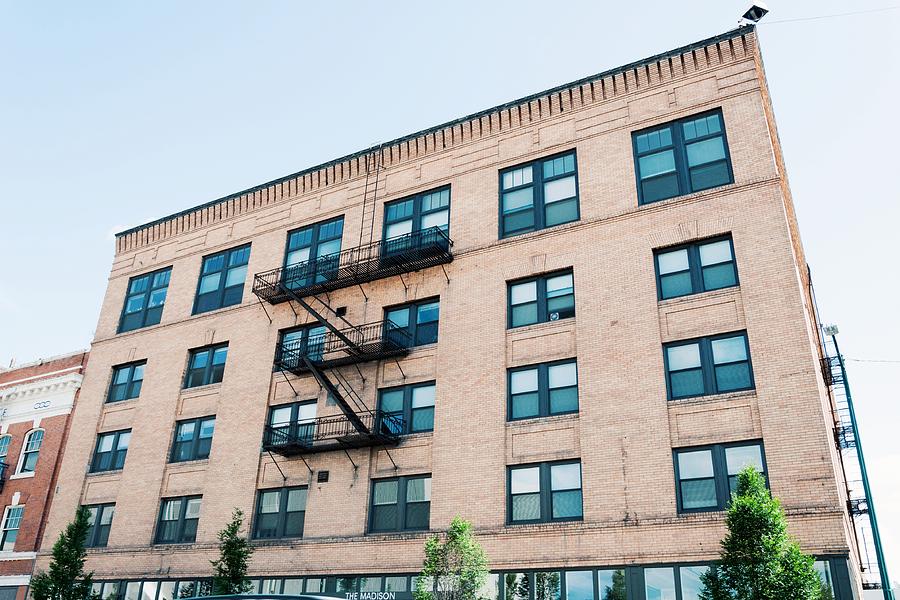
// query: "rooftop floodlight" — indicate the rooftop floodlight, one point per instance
point(756, 12)
point(830, 329)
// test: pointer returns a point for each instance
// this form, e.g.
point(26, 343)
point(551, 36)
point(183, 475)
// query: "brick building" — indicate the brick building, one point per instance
point(619, 324)
point(36, 401)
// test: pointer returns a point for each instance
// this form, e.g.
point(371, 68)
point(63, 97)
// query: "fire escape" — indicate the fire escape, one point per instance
point(343, 343)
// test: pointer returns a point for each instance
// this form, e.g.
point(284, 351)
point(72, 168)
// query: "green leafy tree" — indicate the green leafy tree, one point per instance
point(230, 569)
point(760, 561)
point(454, 569)
point(617, 590)
point(66, 579)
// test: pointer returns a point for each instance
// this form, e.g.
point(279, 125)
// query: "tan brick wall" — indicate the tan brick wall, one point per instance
point(625, 430)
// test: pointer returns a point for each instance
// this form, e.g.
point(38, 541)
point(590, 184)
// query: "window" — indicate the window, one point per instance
point(674, 583)
point(403, 218)
point(30, 450)
point(681, 157)
point(5, 441)
point(707, 475)
point(400, 504)
point(111, 450)
point(206, 365)
point(419, 320)
point(193, 439)
point(222, 278)
point(144, 300)
point(178, 520)
point(694, 268)
point(280, 513)
point(313, 253)
point(126, 382)
point(292, 422)
point(544, 492)
point(295, 343)
point(11, 520)
point(410, 408)
point(540, 194)
point(99, 522)
point(540, 299)
point(542, 390)
point(710, 365)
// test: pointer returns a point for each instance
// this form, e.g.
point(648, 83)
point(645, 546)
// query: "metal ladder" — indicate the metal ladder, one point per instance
point(370, 195)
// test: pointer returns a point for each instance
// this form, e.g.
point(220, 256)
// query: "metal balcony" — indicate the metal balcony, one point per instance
point(384, 258)
point(372, 341)
point(335, 432)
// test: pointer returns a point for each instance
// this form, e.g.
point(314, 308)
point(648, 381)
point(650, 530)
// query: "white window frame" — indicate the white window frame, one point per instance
point(21, 463)
point(3, 528)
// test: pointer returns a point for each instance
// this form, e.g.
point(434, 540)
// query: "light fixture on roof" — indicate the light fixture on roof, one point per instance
point(756, 12)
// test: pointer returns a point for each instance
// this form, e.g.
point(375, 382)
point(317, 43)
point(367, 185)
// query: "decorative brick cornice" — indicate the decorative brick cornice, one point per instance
point(732, 46)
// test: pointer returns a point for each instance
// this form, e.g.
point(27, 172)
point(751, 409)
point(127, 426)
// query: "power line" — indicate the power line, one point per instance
point(846, 14)
point(872, 360)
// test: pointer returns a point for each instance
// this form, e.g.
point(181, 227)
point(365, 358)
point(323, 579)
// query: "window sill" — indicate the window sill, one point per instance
point(547, 524)
point(688, 196)
point(728, 291)
point(100, 474)
point(393, 535)
point(200, 390)
point(120, 404)
point(530, 234)
point(694, 400)
point(22, 475)
point(540, 326)
point(196, 462)
point(531, 421)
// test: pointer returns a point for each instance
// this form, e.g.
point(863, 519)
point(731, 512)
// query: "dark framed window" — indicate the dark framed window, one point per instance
point(542, 390)
point(539, 194)
point(99, 522)
point(206, 365)
point(110, 452)
point(681, 157)
point(313, 253)
point(5, 441)
point(294, 343)
point(412, 407)
point(12, 519)
point(178, 519)
point(144, 300)
point(193, 439)
point(538, 299)
point(294, 421)
point(126, 381)
point(31, 449)
point(706, 476)
point(404, 217)
point(544, 492)
point(693, 268)
point(280, 513)
point(222, 277)
point(709, 365)
point(419, 319)
point(400, 504)
point(675, 583)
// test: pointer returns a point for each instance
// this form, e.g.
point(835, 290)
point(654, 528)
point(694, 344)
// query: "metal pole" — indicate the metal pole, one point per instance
point(876, 535)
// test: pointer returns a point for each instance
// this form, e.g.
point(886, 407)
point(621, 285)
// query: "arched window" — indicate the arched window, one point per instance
point(4, 447)
point(30, 450)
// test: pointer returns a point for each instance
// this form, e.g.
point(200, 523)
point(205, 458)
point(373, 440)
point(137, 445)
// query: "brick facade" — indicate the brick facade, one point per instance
point(625, 431)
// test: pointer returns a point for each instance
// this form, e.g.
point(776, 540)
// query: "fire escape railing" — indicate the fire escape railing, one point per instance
point(409, 252)
point(371, 341)
point(330, 433)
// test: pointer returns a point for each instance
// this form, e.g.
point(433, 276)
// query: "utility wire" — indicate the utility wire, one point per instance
point(872, 360)
point(846, 14)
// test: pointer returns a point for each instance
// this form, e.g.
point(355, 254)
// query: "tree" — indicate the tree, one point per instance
point(66, 579)
point(617, 590)
point(455, 569)
point(230, 569)
point(760, 561)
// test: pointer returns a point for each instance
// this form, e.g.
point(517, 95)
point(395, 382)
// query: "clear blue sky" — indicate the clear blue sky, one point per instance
point(115, 113)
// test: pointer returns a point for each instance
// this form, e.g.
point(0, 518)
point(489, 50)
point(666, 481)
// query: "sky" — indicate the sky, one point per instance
point(116, 113)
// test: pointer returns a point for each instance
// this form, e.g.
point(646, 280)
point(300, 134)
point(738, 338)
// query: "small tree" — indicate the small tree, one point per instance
point(456, 568)
point(66, 579)
point(230, 569)
point(760, 561)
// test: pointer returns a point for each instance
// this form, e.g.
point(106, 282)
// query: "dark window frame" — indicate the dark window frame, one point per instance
point(223, 277)
point(543, 389)
point(282, 512)
point(537, 183)
point(115, 453)
point(195, 442)
point(304, 341)
point(543, 313)
point(407, 411)
point(208, 373)
point(707, 365)
point(545, 491)
point(146, 309)
point(720, 472)
point(413, 319)
point(417, 213)
point(402, 482)
point(180, 527)
point(293, 425)
point(130, 384)
point(96, 536)
point(679, 147)
point(695, 268)
point(315, 241)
